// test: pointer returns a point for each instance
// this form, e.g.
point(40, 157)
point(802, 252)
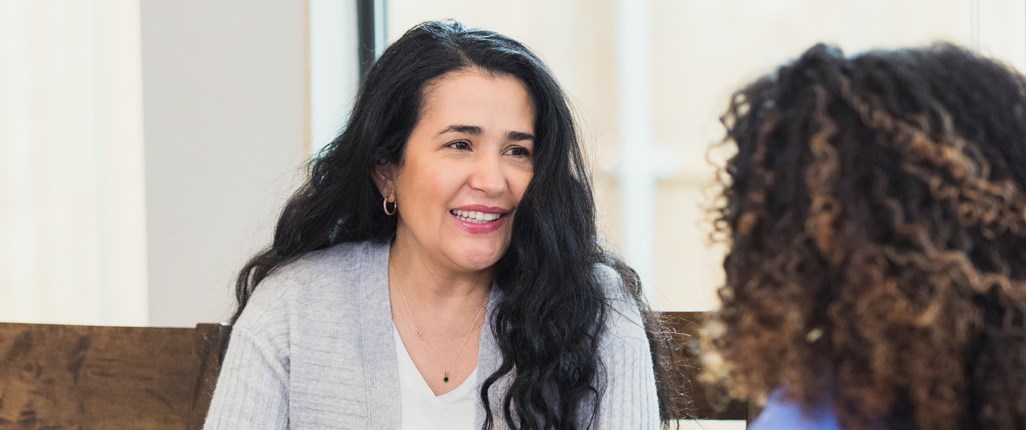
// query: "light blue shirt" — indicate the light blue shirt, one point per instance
point(783, 414)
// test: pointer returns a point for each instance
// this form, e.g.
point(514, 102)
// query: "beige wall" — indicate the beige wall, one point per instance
point(72, 231)
point(226, 130)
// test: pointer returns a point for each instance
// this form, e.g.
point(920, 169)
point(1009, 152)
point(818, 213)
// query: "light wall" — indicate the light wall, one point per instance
point(72, 231)
point(226, 130)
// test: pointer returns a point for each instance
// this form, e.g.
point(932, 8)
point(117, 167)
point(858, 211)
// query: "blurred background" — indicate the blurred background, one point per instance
point(146, 147)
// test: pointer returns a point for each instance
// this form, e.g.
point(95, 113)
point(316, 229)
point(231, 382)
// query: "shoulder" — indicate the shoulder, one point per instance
point(623, 313)
point(346, 260)
point(781, 413)
point(321, 279)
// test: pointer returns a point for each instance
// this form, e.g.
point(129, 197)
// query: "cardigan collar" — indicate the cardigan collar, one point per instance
point(376, 328)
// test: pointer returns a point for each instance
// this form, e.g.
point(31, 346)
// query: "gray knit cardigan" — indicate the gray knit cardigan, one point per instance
point(314, 350)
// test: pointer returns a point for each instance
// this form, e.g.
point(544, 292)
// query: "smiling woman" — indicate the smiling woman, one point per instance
point(466, 166)
point(441, 268)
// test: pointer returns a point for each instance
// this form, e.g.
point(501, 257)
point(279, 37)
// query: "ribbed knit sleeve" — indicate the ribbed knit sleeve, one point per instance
point(252, 388)
point(629, 400)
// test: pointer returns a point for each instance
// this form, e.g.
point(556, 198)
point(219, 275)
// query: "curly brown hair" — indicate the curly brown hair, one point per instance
point(874, 219)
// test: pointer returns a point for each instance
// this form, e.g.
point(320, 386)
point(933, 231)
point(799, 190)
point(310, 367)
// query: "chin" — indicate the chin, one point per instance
point(476, 255)
point(478, 265)
point(479, 260)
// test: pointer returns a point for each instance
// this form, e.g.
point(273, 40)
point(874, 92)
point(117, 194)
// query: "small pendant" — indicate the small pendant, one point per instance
point(446, 377)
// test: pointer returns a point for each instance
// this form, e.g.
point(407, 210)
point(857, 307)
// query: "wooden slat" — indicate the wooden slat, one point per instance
point(83, 377)
point(209, 343)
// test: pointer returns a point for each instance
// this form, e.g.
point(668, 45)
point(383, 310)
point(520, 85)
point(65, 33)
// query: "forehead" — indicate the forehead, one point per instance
point(473, 93)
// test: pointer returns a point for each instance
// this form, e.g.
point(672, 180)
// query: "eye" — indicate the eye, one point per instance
point(518, 151)
point(461, 145)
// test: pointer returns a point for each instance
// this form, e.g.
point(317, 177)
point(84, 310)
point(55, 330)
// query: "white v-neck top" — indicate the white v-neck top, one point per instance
point(421, 408)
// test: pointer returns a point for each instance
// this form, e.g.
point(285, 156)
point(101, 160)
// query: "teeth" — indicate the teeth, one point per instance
point(475, 216)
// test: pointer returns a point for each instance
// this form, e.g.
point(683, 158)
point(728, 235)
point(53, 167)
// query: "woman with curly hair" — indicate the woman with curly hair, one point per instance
point(875, 215)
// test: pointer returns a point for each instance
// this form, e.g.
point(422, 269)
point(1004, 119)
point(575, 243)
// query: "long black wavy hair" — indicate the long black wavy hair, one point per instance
point(549, 320)
point(875, 212)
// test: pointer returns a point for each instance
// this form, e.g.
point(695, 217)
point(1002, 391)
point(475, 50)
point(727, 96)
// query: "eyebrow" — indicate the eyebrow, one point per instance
point(519, 136)
point(476, 131)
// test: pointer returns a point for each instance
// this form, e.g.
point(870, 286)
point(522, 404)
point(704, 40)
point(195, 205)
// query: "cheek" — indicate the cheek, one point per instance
point(519, 185)
point(429, 186)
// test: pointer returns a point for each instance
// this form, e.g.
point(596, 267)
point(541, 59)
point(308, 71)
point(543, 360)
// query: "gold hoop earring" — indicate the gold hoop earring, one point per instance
point(395, 207)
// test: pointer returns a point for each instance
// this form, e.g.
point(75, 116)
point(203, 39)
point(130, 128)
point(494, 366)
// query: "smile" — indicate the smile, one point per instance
point(475, 217)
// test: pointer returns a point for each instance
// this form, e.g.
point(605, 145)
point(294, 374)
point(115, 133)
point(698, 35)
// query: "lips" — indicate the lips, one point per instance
point(475, 217)
point(479, 218)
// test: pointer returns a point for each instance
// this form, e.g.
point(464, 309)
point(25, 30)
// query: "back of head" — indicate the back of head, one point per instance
point(874, 213)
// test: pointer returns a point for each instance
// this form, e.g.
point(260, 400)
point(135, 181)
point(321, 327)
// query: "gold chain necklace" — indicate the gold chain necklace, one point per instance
point(413, 322)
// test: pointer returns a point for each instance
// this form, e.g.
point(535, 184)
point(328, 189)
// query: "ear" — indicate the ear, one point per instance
point(384, 178)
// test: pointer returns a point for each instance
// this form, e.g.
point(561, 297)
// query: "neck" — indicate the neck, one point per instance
point(427, 284)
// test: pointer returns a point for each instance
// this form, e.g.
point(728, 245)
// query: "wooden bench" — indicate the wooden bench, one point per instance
point(85, 377)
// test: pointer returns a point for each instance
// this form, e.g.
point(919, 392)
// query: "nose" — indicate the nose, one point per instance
point(487, 175)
